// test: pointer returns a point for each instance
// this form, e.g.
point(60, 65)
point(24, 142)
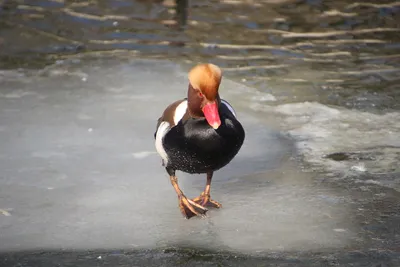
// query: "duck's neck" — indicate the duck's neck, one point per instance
point(195, 103)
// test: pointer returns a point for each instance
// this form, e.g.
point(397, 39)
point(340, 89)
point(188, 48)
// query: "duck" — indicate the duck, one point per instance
point(198, 134)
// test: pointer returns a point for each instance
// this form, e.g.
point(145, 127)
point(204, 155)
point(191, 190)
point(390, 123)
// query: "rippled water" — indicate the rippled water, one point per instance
point(335, 52)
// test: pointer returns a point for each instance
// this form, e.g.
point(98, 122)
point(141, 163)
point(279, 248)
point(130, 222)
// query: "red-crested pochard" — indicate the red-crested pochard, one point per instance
point(198, 134)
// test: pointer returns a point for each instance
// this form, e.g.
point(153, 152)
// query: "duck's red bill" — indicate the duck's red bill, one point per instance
point(210, 111)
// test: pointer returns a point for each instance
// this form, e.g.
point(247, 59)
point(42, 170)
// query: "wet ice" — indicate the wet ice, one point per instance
point(78, 168)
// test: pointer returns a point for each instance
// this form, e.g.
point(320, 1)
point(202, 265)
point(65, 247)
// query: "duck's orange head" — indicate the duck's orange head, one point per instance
point(203, 97)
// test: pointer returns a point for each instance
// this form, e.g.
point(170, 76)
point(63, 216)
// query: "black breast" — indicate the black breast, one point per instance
point(193, 146)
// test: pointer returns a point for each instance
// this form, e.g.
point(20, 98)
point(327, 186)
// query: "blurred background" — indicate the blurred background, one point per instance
point(336, 52)
point(315, 83)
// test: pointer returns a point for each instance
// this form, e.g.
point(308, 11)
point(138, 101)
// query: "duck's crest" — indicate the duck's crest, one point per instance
point(206, 78)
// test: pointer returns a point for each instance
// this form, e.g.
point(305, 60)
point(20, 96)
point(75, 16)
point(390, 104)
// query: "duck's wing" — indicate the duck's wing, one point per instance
point(172, 115)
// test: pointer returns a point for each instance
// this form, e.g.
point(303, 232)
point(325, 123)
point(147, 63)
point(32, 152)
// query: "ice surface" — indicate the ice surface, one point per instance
point(79, 168)
point(371, 141)
point(361, 141)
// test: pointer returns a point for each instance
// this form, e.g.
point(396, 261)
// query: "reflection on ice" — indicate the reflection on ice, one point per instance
point(79, 169)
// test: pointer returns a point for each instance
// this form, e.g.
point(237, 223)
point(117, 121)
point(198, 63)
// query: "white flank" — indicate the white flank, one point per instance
point(229, 107)
point(161, 131)
point(180, 112)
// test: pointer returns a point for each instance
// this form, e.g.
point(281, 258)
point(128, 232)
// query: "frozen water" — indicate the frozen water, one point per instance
point(369, 142)
point(79, 168)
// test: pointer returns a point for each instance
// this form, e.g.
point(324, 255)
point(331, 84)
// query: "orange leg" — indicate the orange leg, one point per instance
point(187, 206)
point(204, 199)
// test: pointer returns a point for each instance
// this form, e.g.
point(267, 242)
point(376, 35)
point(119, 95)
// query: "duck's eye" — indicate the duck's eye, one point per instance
point(200, 94)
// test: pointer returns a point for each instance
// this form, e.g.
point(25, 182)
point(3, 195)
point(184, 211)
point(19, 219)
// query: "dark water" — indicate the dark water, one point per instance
point(335, 52)
point(194, 257)
point(341, 53)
